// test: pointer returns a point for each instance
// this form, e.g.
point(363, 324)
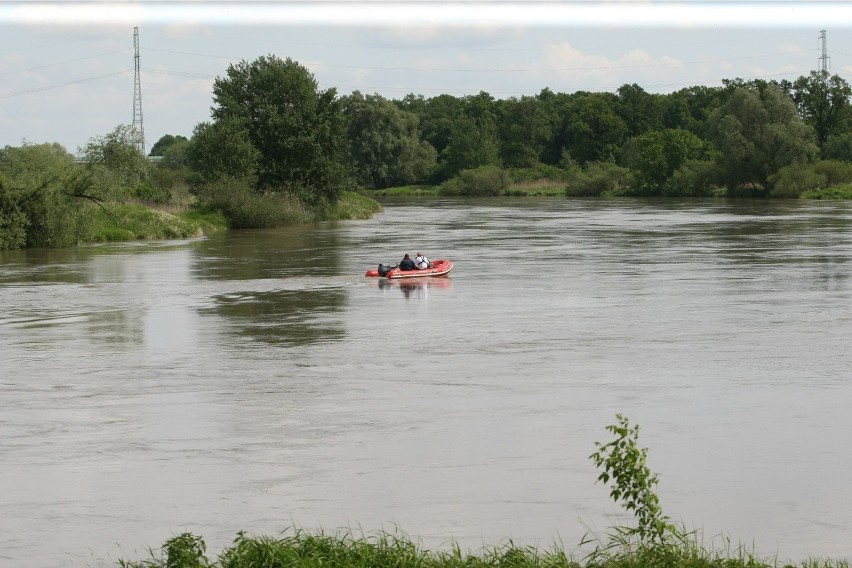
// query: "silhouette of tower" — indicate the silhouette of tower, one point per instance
point(824, 57)
point(138, 129)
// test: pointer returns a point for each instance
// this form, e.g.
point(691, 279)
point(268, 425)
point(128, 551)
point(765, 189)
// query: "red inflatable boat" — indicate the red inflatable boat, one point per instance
point(438, 268)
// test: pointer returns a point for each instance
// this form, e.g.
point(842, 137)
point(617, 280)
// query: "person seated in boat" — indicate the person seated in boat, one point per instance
point(406, 263)
point(421, 262)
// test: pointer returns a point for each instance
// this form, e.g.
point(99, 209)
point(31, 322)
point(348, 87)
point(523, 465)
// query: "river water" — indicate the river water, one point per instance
point(258, 381)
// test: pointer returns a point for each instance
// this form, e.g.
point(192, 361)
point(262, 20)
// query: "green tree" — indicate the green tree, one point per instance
point(437, 115)
point(757, 133)
point(689, 108)
point(640, 110)
point(164, 143)
point(297, 129)
point(591, 129)
point(40, 187)
point(823, 101)
point(473, 139)
point(655, 156)
point(524, 131)
point(222, 149)
point(116, 167)
point(385, 142)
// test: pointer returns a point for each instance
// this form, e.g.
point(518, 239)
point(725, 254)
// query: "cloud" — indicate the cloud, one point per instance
point(564, 58)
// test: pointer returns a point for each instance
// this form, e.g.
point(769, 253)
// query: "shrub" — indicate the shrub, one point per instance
point(245, 208)
point(599, 179)
point(537, 172)
point(791, 181)
point(695, 178)
point(835, 171)
point(477, 182)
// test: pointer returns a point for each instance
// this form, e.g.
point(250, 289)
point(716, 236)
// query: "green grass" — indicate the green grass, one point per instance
point(835, 192)
point(136, 222)
point(405, 191)
point(352, 206)
point(537, 188)
point(532, 188)
point(296, 548)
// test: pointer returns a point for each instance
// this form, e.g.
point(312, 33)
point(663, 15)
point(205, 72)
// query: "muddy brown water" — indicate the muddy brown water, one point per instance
point(257, 381)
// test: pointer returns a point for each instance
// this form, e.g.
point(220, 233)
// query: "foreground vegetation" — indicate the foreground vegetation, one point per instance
point(652, 541)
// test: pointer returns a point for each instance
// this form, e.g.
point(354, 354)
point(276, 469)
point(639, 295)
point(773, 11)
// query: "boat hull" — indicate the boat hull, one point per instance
point(439, 268)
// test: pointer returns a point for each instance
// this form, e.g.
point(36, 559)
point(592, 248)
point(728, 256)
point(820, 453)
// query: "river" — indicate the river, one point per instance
point(258, 381)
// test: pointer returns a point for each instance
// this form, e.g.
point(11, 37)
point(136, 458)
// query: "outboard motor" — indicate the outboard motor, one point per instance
point(384, 269)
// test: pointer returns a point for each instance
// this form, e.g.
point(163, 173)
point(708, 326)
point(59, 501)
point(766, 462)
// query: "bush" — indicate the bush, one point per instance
point(538, 172)
point(599, 179)
point(478, 182)
point(245, 208)
point(791, 181)
point(350, 206)
point(835, 171)
point(695, 178)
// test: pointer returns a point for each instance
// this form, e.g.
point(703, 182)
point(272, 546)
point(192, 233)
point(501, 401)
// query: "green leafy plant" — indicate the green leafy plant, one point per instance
point(632, 485)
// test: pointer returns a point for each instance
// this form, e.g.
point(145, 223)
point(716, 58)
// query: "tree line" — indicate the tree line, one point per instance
point(279, 149)
point(273, 126)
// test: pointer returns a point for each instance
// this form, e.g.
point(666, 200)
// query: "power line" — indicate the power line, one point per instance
point(60, 85)
point(61, 62)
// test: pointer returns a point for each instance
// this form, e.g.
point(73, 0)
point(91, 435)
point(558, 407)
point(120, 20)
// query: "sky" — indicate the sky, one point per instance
point(67, 67)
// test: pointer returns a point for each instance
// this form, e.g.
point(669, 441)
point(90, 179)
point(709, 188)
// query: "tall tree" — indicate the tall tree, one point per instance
point(473, 139)
point(524, 131)
point(591, 129)
point(823, 101)
point(164, 143)
point(223, 149)
point(385, 142)
point(297, 129)
point(641, 111)
point(656, 155)
point(115, 164)
point(757, 133)
point(688, 108)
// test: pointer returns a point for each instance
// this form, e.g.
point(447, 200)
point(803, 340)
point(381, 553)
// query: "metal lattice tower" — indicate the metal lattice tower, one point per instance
point(824, 57)
point(138, 129)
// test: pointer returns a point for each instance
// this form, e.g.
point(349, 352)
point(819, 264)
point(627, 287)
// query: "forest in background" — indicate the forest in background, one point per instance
point(278, 150)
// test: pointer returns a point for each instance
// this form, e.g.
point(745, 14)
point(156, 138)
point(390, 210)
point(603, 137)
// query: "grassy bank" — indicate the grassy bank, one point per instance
point(133, 222)
point(301, 549)
point(652, 541)
point(127, 222)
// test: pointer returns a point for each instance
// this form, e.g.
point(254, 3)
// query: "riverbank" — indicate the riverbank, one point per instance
point(127, 222)
point(553, 188)
point(303, 549)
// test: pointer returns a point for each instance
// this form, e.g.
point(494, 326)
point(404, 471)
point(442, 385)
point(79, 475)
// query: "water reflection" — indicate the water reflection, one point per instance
point(272, 253)
point(417, 288)
point(282, 317)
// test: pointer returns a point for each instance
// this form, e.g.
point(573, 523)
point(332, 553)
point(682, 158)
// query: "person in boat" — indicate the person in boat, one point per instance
point(421, 262)
point(406, 263)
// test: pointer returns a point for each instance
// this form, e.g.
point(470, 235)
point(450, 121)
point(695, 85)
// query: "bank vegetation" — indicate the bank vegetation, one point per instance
point(279, 150)
point(652, 540)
